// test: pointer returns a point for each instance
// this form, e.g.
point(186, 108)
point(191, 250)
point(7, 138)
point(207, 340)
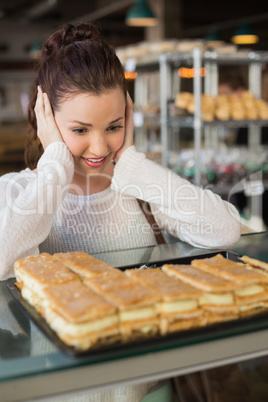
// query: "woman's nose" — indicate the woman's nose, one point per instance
point(98, 145)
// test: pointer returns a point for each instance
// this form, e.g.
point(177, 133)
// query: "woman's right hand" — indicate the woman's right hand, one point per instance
point(129, 129)
point(47, 129)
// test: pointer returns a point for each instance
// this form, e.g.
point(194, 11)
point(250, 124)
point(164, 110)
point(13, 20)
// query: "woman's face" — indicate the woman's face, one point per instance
point(93, 128)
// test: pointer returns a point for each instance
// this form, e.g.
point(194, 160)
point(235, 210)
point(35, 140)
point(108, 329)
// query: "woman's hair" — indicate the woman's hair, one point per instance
point(74, 59)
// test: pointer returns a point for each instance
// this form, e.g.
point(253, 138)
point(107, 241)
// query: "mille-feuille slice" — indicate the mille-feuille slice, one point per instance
point(83, 263)
point(218, 297)
point(34, 273)
point(178, 305)
point(252, 294)
point(79, 316)
point(135, 302)
point(261, 266)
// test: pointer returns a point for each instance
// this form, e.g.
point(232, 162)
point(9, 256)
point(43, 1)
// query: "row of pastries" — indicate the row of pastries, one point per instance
point(89, 303)
point(225, 107)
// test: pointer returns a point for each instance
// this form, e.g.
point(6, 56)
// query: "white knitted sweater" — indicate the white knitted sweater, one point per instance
point(37, 213)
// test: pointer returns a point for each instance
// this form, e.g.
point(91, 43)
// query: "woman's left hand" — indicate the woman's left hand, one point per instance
point(129, 129)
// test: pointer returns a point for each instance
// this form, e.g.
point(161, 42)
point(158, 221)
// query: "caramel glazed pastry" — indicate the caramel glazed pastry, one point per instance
point(178, 305)
point(35, 273)
point(251, 294)
point(217, 299)
point(79, 316)
point(253, 263)
point(135, 303)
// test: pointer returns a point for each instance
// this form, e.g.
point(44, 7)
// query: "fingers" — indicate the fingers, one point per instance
point(129, 132)
point(39, 108)
point(129, 107)
point(129, 129)
point(47, 105)
point(39, 101)
point(42, 103)
point(47, 129)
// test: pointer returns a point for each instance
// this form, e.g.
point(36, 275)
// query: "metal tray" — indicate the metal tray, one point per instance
point(160, 342)
point(185, 260)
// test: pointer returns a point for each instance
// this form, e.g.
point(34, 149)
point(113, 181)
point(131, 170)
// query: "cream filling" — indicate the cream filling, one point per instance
point(137, 314)
point(146, 329)
point(30, 296)
point(60, 325)
point(249, 290)
point(177, 306)
point(246, 307)
point(33, 284)
point(217, 299)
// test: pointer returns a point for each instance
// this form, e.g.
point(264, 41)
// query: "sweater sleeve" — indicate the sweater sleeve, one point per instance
point(28, 201)
point(192, 214)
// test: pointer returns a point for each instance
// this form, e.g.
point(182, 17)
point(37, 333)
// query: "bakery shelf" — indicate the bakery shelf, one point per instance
point(189, 121)
point(163, 70)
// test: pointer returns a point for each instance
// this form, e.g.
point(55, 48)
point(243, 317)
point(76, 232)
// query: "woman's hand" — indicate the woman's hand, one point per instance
point(129, 129)
point(47, 129)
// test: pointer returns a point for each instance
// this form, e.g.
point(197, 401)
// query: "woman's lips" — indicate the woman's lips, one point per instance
point(94, 162)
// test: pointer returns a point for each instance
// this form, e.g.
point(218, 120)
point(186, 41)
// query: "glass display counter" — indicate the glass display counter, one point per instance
point(32, 368)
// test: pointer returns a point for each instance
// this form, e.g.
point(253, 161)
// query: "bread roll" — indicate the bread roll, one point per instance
point(223, 113)
point(183, 99)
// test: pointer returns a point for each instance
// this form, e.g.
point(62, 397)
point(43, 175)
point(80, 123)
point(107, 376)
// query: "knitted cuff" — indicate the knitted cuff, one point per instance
point(58, 160)
point(58, 151)
point(125, 168)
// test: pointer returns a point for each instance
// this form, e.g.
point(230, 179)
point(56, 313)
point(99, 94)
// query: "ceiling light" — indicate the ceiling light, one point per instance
point(140, 15)
point(244, 35)
point(213, 35)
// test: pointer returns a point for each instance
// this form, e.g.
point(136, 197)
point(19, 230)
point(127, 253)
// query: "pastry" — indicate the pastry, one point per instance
point(183, 99)
point(83, 263)
point(178, 305)
point(252, 293)
point(222, 113)
point(253, 262)
point(228, 269)
point(137, 304)
point(34, 273)
point(217, 299)
point(79, 316)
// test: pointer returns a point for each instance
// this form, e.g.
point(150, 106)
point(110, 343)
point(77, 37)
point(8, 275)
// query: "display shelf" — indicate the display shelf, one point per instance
point(189, 121)
point(204, 133)
point(167, 63)
point(239, 57)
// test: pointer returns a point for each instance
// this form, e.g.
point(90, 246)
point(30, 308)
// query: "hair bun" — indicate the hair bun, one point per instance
point(80, 32)
point(69, 34)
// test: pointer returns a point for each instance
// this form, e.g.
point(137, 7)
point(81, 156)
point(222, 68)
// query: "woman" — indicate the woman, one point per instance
point(82, 191)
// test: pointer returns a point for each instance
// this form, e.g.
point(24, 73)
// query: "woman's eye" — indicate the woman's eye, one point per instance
point(115, 128)
point(79, 131)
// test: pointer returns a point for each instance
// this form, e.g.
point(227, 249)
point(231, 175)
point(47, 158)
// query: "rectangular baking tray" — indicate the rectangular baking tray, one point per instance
point(160, 342)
